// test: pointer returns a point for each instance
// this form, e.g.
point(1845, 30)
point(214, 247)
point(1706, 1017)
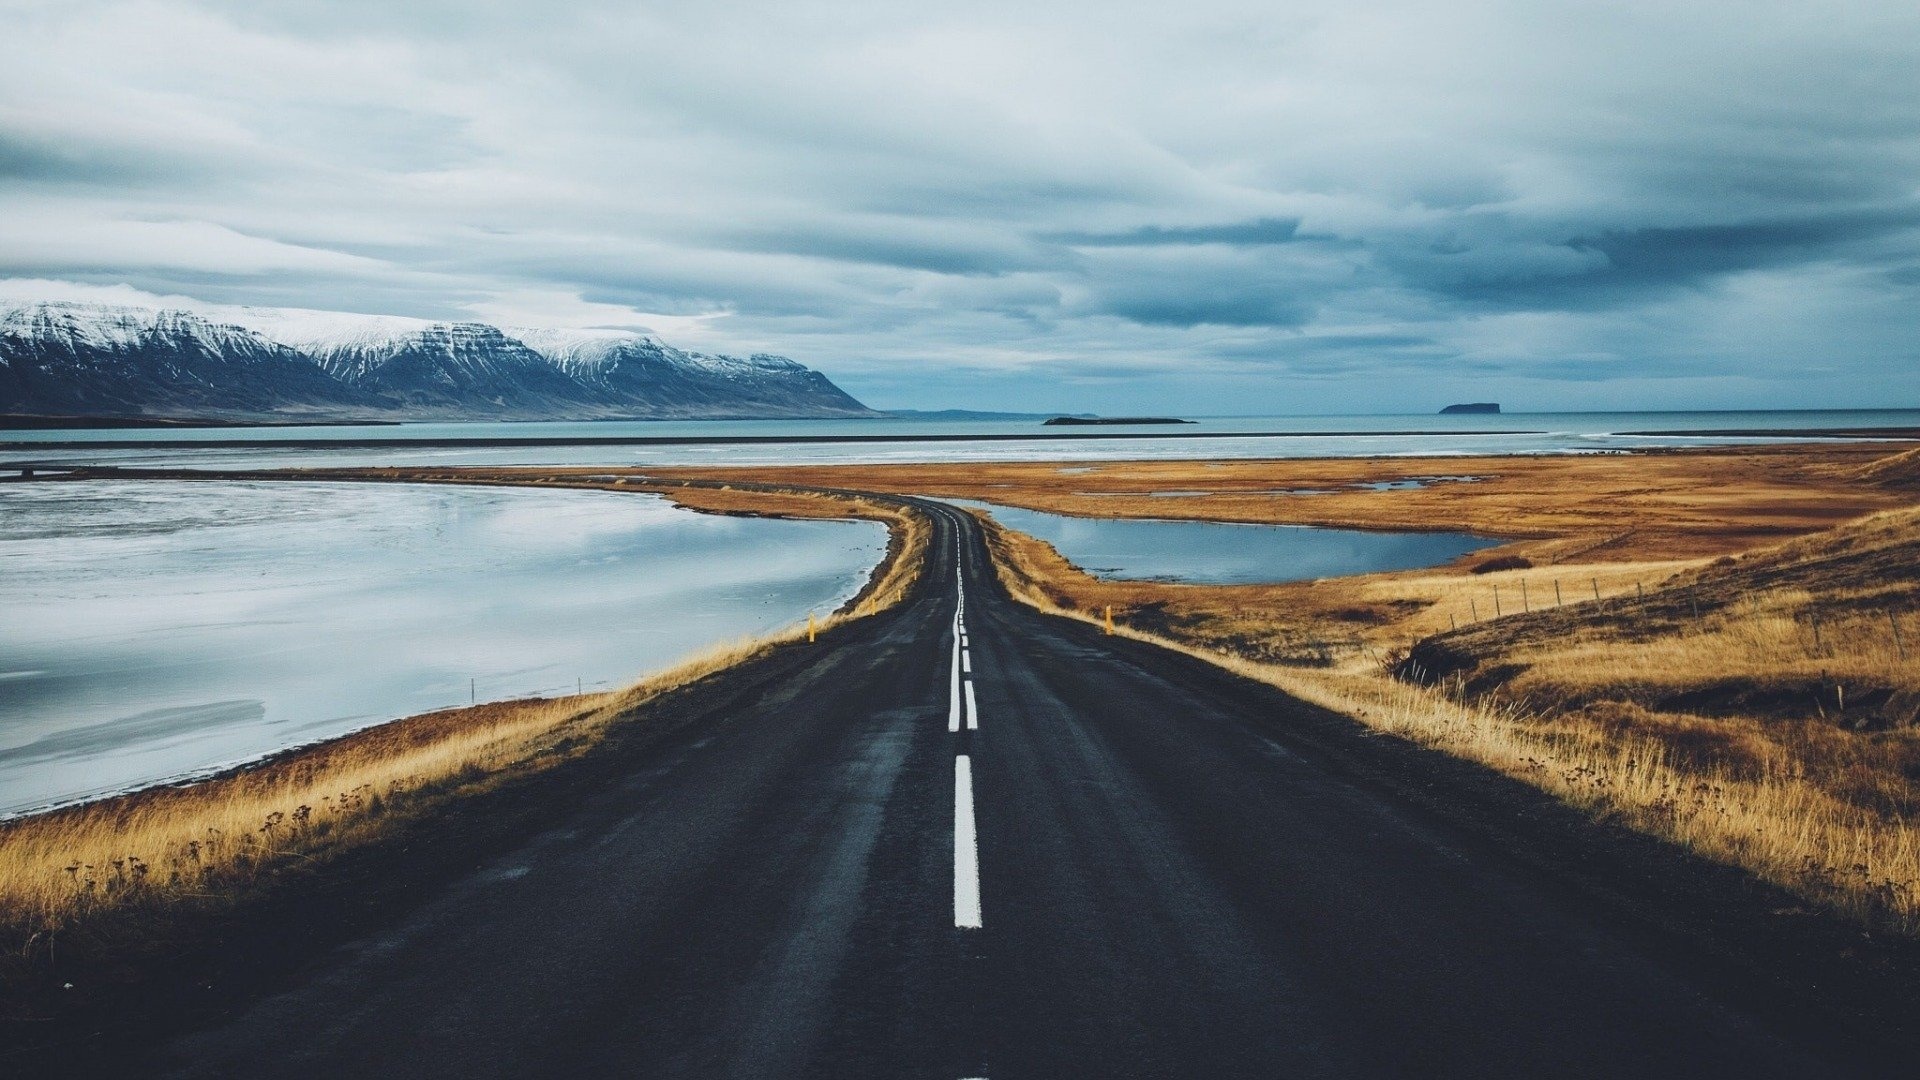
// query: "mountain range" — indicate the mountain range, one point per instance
point(60, 358)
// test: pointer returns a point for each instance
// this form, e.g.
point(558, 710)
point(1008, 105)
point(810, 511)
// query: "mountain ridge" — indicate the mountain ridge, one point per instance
point(77, 359)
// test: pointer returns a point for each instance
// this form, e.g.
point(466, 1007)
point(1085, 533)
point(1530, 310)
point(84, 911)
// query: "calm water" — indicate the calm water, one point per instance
point(1213, 553)
point(1512, 433)
point(157, 630)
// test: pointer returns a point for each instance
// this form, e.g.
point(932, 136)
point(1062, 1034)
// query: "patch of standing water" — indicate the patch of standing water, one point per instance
point(1408, 483)
point(1219, 553)
point(156, 630)
point(1412, 483)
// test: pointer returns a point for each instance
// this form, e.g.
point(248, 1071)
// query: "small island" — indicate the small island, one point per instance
point(1079, 421)
point(1472, 407)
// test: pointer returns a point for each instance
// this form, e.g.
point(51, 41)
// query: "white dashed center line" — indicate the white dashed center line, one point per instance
point(966, 849)
point(953, 697)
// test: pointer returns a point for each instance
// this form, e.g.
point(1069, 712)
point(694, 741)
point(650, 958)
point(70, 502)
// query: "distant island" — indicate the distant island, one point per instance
point(1082, 421)
point(1472, 407)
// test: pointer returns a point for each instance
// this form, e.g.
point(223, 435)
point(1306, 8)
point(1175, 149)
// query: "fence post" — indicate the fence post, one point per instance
point(1596, 590)
point(1556, 592)
point(1109, 618)
point(810, 628)
point(1474, 606)
point(1496, 601)
point(1453, 625)
point(1640, 589)
point(1819, 646)
point(1524, 606)
point(1899, 647)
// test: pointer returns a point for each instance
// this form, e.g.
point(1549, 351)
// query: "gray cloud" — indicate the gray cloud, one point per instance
point(1264, 231)
point(1215, 207)
point(1628, 266)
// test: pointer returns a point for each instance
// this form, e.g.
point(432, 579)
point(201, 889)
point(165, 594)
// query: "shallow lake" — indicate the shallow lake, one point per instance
point(157, 630)
point(1216, 553)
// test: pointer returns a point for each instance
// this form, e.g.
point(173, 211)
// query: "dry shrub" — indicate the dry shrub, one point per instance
point(1504, 562)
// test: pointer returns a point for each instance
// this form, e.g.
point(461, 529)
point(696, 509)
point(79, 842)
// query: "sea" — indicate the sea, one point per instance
point(921, 439)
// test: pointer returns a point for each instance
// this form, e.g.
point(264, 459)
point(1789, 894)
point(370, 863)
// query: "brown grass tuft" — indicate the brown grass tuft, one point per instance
point(1894, 470)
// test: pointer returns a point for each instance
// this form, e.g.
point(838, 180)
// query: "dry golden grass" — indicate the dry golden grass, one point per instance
point(1778, 638)
point(1797, 657)
point(209, 842)
point(1895, 471)
point(1653, 506)
point(1814, 806)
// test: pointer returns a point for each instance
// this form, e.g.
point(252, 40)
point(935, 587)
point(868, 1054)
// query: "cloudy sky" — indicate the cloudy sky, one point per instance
point(1206, 207)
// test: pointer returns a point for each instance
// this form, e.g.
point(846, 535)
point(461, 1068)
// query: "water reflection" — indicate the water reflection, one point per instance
point(154, 630)
point(1214, 553)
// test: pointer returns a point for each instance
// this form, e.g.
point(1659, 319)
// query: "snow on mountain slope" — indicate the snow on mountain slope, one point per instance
point(59, 358)
point(325, 331)
point(577, 351)
point(93, 360)
point(75, 326)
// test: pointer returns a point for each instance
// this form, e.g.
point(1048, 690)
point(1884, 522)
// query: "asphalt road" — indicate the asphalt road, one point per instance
point(1077, 857)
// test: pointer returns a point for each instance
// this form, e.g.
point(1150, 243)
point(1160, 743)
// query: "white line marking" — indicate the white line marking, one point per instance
point(963, 641)
point(966, 848)
point(953, 696)
point(973, 711)
point(966, 661)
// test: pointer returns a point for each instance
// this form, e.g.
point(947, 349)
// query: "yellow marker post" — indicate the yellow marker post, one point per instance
point(809, 627)
point(1109, 618)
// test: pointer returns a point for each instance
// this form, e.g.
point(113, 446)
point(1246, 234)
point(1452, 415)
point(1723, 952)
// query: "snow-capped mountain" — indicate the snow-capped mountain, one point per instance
point(90, 360)
point(71, 359)
point(626, 365)
point(458, 366)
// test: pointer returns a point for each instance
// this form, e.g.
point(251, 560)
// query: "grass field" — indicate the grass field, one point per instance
point(1558, 509)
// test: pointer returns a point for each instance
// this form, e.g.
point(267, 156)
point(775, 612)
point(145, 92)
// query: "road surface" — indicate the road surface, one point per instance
point(962, 839)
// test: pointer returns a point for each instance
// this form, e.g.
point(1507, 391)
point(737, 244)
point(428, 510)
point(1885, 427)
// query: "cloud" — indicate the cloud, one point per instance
point(1214, 206)
point(1264, 231)
point(557, 308)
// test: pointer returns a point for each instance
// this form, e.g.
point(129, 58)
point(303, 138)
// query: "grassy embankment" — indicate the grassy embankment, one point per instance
point(204, 845)
point(1735, 691)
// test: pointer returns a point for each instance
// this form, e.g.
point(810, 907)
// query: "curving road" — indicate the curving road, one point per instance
point(954, 843)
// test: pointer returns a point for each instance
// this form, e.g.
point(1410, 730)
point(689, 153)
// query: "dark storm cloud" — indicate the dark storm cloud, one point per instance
point(1627, 266)
point(1660, 256)
point(22, 159)
point(1201, 202)
point(1250, 307)
point(1264, 231)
